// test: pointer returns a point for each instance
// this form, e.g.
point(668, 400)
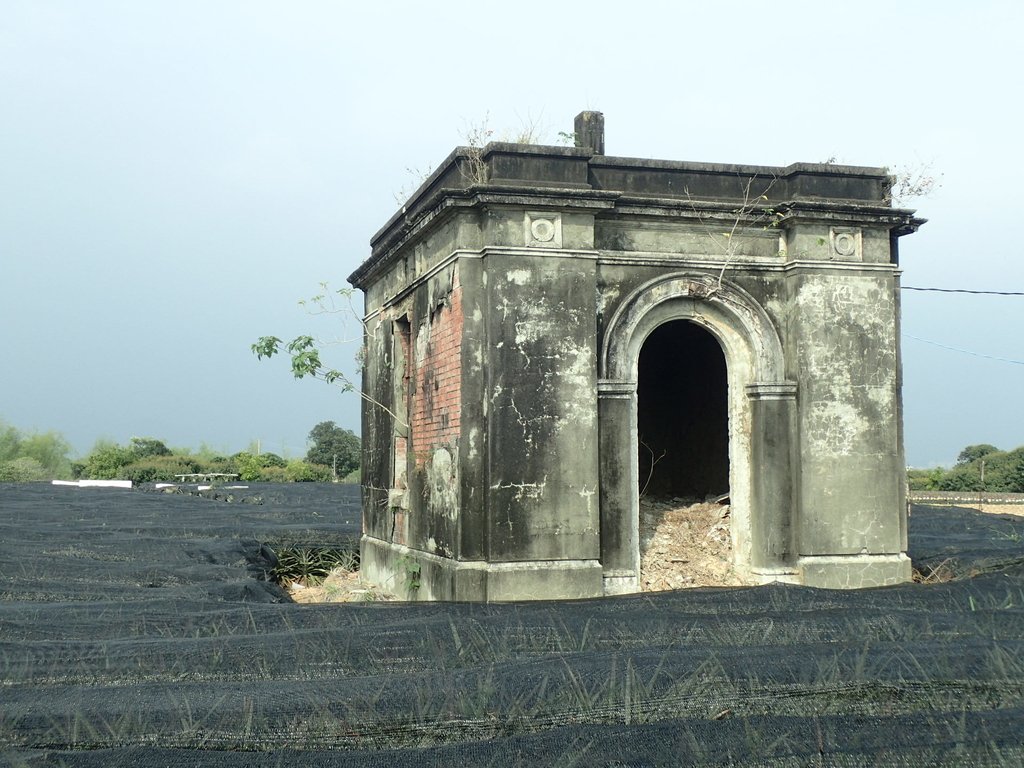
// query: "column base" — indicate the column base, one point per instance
point(854, 571)
point(621, 583)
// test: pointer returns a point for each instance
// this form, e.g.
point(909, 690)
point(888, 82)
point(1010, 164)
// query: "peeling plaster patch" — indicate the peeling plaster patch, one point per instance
point(518, 276)
point(848, 352)
point(523, 490)
point(422, 342)
point(506, 307)
point(779, 310)
point(535, 326)
point(881, 397)
point(538, 321)
point(835, 426)
point(864, 307)
point(607, 296)
point(529, 331)
point(587, 494)
point(578, 383)
point(443, 483)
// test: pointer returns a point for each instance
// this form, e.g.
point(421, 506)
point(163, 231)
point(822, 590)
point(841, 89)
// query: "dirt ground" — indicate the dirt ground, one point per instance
point(340, 586)
point(991, 509)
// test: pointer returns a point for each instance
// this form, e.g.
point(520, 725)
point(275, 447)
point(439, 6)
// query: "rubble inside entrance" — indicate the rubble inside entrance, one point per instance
point(685, 544)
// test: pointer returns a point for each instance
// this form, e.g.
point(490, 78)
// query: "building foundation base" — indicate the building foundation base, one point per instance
point(411, 574)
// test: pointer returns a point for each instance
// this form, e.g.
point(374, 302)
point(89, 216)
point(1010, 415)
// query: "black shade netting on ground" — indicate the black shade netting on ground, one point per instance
point(138, 628)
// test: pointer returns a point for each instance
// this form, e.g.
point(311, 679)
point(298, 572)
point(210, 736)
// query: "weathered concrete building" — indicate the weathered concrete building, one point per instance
point(543, 321)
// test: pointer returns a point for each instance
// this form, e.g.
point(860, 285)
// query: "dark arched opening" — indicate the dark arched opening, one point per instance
point(682, 414)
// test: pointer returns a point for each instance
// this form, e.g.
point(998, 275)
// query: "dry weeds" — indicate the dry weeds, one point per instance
point(340, 586)
point(684, 545)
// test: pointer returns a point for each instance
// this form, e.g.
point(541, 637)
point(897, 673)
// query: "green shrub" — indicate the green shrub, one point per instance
point(216, 464)
point(253, 468)
point(23, 470)
point(300, 471)
point(10, 442)
point(274, 475)
point(294, 471)
point(50, 449)
point(272, 460)
point(107, 461)
point(159, 469)
point(353, 478)
point(963, 477)
point(247, 466)
point(925, 479)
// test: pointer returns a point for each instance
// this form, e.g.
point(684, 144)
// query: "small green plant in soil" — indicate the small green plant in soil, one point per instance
point(411, 569)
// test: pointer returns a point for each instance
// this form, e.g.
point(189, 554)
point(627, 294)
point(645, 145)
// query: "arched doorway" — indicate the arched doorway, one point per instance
point(682, 414)
point(683, 459)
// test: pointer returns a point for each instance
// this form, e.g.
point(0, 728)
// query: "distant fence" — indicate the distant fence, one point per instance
point(965, 497)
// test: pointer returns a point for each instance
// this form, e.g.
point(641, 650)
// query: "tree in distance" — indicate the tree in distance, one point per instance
point(975, 452)
point(335, 447)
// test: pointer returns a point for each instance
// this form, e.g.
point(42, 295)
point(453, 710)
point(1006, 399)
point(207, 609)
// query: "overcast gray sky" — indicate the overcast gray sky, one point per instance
point(176, 175)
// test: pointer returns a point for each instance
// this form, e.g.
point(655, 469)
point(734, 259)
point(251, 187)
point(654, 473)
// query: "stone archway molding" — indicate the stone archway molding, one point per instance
point(731, 314)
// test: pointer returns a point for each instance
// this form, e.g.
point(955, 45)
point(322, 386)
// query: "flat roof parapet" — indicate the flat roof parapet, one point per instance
point(582, 176)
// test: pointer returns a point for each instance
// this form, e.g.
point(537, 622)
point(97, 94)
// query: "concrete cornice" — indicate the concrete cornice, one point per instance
point(446, 202)
point(568, 178)
point(716, 262)
point(900, 221)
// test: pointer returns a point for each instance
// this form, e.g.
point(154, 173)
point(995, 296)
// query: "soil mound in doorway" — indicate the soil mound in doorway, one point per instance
point(684, 544)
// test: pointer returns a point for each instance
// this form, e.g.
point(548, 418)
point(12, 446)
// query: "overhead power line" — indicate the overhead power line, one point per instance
point(963, 351)
point(963, 290)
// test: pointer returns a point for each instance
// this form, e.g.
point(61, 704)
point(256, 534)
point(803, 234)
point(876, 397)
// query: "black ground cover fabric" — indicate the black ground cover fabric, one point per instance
point(137, 628)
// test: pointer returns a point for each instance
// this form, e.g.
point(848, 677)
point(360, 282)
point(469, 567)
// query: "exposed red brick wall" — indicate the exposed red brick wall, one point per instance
point(437, 371)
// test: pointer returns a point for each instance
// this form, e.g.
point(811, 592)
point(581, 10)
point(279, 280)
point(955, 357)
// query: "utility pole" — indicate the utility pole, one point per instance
point(981, 494)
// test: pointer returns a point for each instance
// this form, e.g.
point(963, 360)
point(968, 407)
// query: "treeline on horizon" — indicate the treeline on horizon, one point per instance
point(335, 453)
point(40, 456)
point(978, 468)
